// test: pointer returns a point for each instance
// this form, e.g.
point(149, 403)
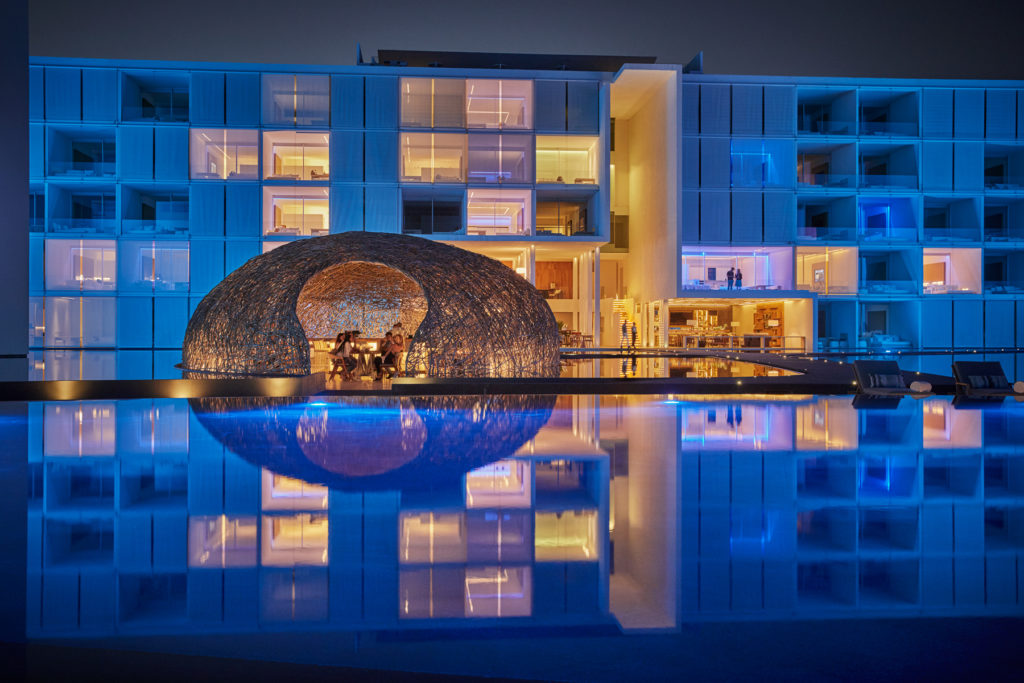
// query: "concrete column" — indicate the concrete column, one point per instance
point(14, 189)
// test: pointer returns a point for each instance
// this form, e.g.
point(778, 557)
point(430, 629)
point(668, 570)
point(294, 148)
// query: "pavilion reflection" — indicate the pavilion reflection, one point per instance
point(632, 512)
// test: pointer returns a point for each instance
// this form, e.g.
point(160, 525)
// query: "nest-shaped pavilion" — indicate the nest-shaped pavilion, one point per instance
point(467, 315)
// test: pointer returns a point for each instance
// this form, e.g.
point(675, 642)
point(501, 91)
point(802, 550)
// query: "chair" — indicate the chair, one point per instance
point(881, 378)
point(983, 379)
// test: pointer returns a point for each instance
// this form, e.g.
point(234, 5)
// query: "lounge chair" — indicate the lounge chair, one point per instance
point(982, 379)
point(884, 378)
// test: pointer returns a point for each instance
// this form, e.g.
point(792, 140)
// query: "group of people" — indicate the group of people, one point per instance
point(388, 355)
point(735, 275)
point(631, 339)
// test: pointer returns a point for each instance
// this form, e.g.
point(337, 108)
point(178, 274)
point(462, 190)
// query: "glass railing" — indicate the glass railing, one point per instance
point(82, 169)
point(159, 113)
point(1014, 287)
point(1004, 184)
point(136, 226)
point(947, 288)
point(723, 285)
point(951, 234)
point(888, 287)
point(891, 234)
point(820, 127)
point(904, 128)
point(561, 231)
point(813, 233)
point(828, 290)
point(901, 181)
point(104, 226)
point(1003, 235)
point(826, 180)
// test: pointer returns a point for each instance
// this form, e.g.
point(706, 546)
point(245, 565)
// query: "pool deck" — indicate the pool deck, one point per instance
point(818, 376)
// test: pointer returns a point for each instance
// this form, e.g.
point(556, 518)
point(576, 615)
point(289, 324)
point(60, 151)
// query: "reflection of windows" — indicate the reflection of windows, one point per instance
point(224, 154)
point(433, 157)
point(295, 211)
point(154, 266)
point(285, 493)
point(430, 537)
point(566, 536)
point(79, 429)
point(498, 592)
point(492, 103)
point(498, 212)
point(222, 541)
point(433, 102)
point(296, 99)
point(290, 155)
point(294, 540)
point(568, 159)
point(500, 158)
point(85, 265)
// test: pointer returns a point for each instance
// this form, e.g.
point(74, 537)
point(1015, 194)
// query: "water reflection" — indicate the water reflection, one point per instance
point(641, 512)
point(694, 367)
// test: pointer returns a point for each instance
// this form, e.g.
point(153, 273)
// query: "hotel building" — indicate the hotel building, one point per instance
point(875, 214)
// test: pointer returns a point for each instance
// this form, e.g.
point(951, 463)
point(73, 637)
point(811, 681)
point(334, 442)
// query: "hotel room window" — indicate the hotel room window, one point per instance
point(498, 212)
point(221, 541)
point(951, 271)
point(294, 540)
point(427, 211)
point(500, 104)
point(81, 265)
point(296, 100)
point(81, 321)
point(500, 158)
point(762, 163)
point(155, 96)
point(562, 216)
point(566, 536)
point(289, 155)
point(433, 102)
point(153, 266)
point(221, 154)
point(433, 157)
point(568, 159)
point(296, 211)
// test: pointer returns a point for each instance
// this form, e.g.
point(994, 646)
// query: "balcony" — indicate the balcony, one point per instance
point(889, 113)
point(887, 234)
point(826, 111)
point(950, 234)
point(888, 180)
point(165, 226)
point(888, 166)
point(82, 168)
point(888, 287)
point(1013, 288)
point(829, 233)
point(159, 96)
point(1004, 167)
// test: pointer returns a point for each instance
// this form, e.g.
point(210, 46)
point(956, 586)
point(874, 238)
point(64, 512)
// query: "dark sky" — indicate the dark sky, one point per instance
point(905, 38)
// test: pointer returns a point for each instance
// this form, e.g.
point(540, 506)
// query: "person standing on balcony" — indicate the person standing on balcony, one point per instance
point(739, 279)
point(730, 276)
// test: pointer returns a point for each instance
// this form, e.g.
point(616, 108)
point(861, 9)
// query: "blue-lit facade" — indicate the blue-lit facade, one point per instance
point(871, 214)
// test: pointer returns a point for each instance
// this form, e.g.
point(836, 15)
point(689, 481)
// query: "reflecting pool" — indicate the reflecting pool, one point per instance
point(374, 525)
point(693, 367)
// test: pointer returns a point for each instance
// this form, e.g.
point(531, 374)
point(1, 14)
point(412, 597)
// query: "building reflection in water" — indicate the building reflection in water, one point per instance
point(640, 512)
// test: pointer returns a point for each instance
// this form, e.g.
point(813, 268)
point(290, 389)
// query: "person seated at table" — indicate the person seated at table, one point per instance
point(386, 357)
point(344, 363)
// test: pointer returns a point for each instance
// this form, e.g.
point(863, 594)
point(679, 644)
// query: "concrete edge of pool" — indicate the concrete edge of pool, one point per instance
point(817, 377)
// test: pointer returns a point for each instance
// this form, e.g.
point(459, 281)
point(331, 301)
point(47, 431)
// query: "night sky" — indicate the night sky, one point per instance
point(899, 38)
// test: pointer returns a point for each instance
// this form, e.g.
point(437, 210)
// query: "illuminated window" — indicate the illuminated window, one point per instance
point(296, 211)
point(431, 537)
point(500, 158)
point(433, 102)
point(219, 154)
point(433, 158)
point(566, 536)
point(285, 493)
point(570, 159)
point(84, 265)
point(556, 216)
point(221, 541)
point(952, 271)
point(827, 270)
point(80, 321)
point(498, 212)
point(294, 540)
point(505, 483)
point(289, 155)
point(762, 268)
point(153, 266)
point(493, 103)
point(296, 99)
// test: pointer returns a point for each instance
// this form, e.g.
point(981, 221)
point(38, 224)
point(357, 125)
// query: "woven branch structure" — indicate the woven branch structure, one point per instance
point(467, 315)
point(363, 443)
